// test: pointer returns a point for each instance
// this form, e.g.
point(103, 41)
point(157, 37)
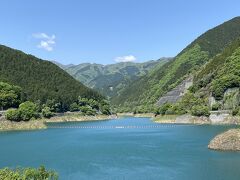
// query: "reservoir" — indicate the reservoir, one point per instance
point(126, 148)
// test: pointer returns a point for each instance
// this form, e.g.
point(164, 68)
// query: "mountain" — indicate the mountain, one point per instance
point(62, 66)
point(110, 79)
point(145, 92)
point(219, 79)
point(41, 80)
point(216, 87)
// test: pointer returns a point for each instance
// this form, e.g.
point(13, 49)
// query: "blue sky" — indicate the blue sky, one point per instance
point(106, 31)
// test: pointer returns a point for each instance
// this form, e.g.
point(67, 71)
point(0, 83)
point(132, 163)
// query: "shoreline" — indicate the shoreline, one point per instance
point(188, 119)
point(147, 115)
point(40, 124)
point(6, 125)
point(75, 117)
point(217, 143)
point(226, 141)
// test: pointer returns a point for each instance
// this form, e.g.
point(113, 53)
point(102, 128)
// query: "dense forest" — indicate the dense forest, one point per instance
point(222, 72)
point(142, 95)
point(20, 110)
point(41, 80)
point(31, 88)
point(218, 80)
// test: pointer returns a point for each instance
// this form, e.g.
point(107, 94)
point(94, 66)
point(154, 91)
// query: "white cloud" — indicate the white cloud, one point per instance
point(47, 42)
point(129, 58)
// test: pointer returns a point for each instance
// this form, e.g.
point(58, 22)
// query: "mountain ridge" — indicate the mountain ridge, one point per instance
point(190, 59)
point(111, 79)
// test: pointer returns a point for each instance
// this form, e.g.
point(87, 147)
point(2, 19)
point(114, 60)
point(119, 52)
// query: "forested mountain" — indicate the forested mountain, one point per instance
point(216, 86)
point(41, 80)
point(145, 92)
point(220, 78)
point(111, 79)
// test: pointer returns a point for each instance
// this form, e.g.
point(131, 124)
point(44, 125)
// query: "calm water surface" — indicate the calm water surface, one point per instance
point(176, 152)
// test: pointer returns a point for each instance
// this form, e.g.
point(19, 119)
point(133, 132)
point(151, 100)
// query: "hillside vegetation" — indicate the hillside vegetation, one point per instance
point(143, 94)
point(215, 87)
point(39, 81)
point(111, 79)
point(220, 78)
point(28, 173)
point(223, 65)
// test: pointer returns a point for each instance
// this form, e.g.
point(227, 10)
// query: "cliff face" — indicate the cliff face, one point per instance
point(176, 93)
point(227, 141)
point(230, 101)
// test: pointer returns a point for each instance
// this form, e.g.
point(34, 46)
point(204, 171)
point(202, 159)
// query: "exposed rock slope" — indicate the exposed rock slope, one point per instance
point(176, 93)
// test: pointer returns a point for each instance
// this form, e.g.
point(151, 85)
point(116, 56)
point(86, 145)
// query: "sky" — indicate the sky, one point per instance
point(108, 31)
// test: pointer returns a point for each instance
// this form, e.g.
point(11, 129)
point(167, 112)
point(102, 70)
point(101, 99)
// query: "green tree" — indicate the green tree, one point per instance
point(105, 107)
point(93, 103)
point(13, 115)
point(74, 107)
point(82, 101)
point(200, 110)
point(162, 109)
point(28, 110)
point(46, 112)
point(10, 96)
point(55, 106)
point(87, 110)
point(236, 111)
point(216, 106)
point(105, 110)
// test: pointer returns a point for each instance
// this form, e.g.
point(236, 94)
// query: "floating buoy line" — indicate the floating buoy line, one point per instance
point(115, 127)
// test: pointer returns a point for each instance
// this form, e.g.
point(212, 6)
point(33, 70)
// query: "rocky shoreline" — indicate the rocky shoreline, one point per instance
point(149, 115)
point(75, 117)
point(227, 141)
point(6, 125)
point(188, 119)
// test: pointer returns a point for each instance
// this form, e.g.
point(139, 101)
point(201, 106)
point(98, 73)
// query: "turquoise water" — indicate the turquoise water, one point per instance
point(177, 152)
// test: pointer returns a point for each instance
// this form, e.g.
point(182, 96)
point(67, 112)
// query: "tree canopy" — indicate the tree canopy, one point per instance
point(41, 80)
point(10, 95)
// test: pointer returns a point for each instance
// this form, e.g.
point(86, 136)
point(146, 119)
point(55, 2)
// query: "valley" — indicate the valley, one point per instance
point(111, 79)
point(119, 90)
